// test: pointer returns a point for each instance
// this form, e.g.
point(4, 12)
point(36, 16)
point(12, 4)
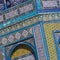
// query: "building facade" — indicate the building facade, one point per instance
point(30, 30)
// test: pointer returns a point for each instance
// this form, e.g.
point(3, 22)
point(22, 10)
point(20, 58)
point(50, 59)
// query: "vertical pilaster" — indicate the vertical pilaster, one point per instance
point(39, 43)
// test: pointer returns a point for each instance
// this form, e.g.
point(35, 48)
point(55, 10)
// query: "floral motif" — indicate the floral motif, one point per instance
point(4, 40)
point(17, 35)
point(11, 38)
point(25, 33)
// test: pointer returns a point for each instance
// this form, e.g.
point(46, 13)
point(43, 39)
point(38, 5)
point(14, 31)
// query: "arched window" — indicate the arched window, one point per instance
point(22, 52)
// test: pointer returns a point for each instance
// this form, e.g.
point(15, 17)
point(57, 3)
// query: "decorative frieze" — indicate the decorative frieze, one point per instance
point(26, 8)
point(18, 10)
point(19, 25)
point(15, 36)
point(50, 4)
point(11, 14)
point(11, 3)
point(33, 20)
point(47, 4)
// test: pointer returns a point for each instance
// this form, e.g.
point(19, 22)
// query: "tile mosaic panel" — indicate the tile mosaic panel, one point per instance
point(48, 4)
point(21, 51)
point(11, 14)
point(15, 36)
point(11, 3)
point(42, 17)
point(31, 41)
point(39, 43)
point(26, 8)
point(48, 28)
point(1, 5)
point(1, 18)
point(18, 10)
point(2, 54)
point(19, 25)
point(57, 42)
point(8, 48)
